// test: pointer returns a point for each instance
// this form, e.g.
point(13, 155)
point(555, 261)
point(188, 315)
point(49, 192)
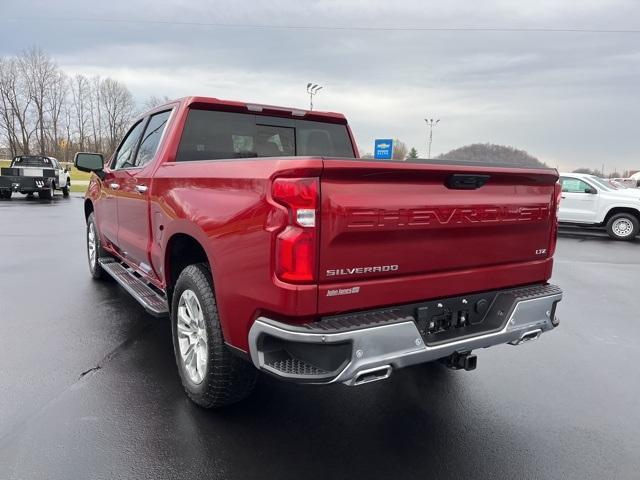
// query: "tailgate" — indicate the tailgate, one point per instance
point(393, 224)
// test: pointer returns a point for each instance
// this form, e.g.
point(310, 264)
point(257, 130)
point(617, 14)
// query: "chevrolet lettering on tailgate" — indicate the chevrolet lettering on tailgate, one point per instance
point(435, 216)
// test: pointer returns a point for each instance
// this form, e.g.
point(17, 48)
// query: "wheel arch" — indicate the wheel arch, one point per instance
point(616, 210)
point(181, 251)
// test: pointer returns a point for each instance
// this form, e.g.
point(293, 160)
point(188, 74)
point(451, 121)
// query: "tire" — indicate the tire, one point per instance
point(211, 375)
point(66, 188)
point(6, 194)
point(48, 193)
point(93, 237)
point(623, 226)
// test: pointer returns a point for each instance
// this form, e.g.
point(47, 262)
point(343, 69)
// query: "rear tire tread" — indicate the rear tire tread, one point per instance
point(229, 378)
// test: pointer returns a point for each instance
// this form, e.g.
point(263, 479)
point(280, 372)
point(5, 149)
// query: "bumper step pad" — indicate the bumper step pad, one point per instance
point(347, 323)
point(295, 367)
point(152, 301)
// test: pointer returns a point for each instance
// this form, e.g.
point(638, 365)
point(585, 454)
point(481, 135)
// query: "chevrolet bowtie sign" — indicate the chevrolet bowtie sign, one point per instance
point(383, 149)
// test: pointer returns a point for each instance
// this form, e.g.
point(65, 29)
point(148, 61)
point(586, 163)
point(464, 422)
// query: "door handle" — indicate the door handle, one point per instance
point(114, 186)
point(142, 188)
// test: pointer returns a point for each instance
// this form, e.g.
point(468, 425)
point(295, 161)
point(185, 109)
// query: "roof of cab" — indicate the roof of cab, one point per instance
point(255, 108)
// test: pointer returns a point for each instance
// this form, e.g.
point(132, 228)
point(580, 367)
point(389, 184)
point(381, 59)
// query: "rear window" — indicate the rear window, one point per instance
point(210, 135)
point(42, 162)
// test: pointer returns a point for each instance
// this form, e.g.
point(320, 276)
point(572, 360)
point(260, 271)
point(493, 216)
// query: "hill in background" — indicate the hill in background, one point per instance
point(490, 153)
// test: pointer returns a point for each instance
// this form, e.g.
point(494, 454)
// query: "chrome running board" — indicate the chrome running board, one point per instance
point(152, 301)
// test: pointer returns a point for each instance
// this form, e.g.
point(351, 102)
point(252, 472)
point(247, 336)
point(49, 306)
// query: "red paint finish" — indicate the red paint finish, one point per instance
point(393, 229)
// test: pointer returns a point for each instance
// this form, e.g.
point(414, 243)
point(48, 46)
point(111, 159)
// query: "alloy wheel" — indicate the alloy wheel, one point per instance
point(192, 336)
point(92, 246)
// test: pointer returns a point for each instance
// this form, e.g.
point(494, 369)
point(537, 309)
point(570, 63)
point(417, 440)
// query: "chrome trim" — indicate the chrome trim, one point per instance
point(387, 369)
point(527, 337)
point(400, 344)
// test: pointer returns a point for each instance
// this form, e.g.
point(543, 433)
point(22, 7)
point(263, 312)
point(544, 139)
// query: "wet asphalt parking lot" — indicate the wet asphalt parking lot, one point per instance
point(89, 387)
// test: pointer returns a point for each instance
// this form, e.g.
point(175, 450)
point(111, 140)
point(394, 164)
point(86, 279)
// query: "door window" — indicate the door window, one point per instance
point(574, 185)
point(151, 138)
point(125, 156)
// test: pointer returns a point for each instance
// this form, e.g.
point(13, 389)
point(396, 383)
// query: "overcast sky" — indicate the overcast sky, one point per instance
point(571, 99)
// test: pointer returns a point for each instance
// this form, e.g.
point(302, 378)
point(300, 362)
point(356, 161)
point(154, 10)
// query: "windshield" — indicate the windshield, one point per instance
point(601, 183)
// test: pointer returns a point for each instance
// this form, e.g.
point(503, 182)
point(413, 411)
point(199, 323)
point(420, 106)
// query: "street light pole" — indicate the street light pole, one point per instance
point(312, 89)
point(430, 123)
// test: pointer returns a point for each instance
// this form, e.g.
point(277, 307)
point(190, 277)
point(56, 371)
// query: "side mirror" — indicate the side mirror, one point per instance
point(590, 190)
point(89, 162)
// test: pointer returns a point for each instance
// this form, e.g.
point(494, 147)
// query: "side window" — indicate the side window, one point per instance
point(125, 154)
point(210, 135)
point(574, 185)
point(151, 138)
point(323, 139)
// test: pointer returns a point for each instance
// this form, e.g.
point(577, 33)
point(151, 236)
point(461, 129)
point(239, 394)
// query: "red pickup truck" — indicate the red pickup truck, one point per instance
point(273, 247)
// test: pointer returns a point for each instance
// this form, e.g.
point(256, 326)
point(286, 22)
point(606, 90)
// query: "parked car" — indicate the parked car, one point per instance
point(590, 201)
point(622, 182)
point(29, 174)
point(273, 247)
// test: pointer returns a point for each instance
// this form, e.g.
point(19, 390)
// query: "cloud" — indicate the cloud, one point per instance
point(568, 98)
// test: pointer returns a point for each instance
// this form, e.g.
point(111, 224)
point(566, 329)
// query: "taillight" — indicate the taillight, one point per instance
point(557, 194)
point(296, 245)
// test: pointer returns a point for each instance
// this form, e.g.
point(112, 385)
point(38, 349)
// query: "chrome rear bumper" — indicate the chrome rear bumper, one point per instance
point(368, 350)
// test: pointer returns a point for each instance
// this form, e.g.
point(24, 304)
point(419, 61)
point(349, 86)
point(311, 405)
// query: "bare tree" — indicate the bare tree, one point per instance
point(68, 123)
point(55, 102)
point(81, 95)
point(43, 111)
point(118, 108)
point(16, 107)
point(38, 70)
point(7, 118)
point(96, 115)
point(399, 150)
point(154, 101)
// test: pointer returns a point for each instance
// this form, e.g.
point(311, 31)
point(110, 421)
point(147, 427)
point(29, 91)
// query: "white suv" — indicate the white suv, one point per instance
point(591, 201)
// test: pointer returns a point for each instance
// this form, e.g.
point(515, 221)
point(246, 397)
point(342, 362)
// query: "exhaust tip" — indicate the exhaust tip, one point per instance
point(373, 375)
point(528, 337)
